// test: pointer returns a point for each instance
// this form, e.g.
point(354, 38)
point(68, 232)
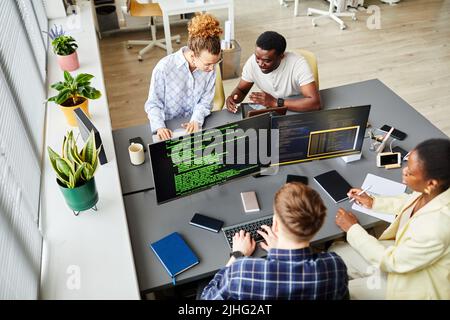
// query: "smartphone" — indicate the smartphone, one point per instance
point(402, 152)
point(250, 201)
point(295, 178)
point(205, 222)
point(137, 140)
point(397, 134)
point(388, 158)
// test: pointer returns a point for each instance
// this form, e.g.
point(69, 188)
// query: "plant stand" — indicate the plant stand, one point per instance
point(76, 213)
point(81, 198)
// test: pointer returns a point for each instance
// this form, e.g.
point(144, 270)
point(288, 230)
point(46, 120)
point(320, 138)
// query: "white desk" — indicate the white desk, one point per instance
point(175, 7)
point(88, 256)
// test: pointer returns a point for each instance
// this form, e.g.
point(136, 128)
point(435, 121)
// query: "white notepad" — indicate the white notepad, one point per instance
point(382, 187)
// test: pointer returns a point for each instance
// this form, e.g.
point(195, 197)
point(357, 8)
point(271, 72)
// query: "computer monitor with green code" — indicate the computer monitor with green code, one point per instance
point(198, 161)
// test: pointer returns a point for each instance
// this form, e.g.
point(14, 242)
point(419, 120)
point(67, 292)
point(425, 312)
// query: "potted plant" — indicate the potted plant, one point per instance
point(74, 93)
point(65, 48)
point(75, 173)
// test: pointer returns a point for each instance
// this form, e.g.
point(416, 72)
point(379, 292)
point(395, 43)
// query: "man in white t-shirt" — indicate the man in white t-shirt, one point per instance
point(279, 75)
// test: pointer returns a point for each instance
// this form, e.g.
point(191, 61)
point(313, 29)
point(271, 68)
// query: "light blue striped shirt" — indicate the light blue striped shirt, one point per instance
point(177, 92)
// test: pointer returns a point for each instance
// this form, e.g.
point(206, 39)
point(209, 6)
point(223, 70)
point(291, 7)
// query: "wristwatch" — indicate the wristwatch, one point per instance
point(236, 254)
point(280, 102)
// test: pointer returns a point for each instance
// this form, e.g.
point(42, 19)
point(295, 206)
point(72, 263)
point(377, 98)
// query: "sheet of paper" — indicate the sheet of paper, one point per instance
point(383, 187)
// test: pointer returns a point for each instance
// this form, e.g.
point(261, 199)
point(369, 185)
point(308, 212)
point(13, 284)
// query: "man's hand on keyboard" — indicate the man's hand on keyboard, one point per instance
point(270, 238)
point(243, 242)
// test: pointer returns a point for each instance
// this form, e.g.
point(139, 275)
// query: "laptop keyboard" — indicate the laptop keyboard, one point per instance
point(249, 226)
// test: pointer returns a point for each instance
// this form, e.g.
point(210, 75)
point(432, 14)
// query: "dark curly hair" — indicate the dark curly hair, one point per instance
point(272, 40)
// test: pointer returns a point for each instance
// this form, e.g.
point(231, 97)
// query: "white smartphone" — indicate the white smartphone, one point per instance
point(250, 201)
point(388, 158)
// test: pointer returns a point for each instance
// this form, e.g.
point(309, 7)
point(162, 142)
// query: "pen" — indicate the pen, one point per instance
point(361, 192)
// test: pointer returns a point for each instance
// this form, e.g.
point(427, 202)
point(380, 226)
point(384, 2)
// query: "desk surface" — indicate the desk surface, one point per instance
point(149, 222)
point(139, 178)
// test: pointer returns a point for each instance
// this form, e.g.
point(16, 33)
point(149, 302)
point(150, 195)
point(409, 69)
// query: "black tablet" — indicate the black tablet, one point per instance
point(334, 184)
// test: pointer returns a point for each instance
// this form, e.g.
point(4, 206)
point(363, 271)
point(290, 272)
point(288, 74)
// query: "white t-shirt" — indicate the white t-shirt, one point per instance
point(284, 81)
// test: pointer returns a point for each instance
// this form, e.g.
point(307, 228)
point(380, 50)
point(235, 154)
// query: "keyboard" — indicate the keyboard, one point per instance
point(248, 226)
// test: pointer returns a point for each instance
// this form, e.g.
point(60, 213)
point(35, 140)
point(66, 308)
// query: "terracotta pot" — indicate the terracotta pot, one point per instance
point(70, 115)
point(69, 63)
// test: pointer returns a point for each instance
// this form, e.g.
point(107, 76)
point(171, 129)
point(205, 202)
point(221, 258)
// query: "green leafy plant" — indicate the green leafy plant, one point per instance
point(73, 90)
point(74, 168)
point(64, 45)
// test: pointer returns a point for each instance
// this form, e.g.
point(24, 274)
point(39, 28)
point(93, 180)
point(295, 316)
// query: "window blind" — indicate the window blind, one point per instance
point(41, 17)
point(22, 73)
point(22, 112)
point(33, 32)
point(20, 240)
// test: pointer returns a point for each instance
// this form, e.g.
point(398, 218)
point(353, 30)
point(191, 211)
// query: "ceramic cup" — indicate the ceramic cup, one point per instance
point(136, 151)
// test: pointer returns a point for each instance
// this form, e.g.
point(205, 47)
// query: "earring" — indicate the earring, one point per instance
point(426, 190)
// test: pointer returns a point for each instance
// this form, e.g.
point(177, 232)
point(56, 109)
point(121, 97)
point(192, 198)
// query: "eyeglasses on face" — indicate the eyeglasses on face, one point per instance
point(208, 65)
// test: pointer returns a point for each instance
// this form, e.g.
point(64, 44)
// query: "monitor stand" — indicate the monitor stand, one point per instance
point(351, 158)
point(268, 171)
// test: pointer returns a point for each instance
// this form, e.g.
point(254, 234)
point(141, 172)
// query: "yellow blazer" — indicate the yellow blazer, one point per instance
point(418, 264)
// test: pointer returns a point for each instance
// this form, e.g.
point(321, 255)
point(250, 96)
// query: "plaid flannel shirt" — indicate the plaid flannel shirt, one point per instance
point(283, 274)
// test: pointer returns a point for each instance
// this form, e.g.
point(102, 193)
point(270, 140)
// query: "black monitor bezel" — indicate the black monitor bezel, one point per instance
point(85, 125)
point(336, 155)
point(267, 115)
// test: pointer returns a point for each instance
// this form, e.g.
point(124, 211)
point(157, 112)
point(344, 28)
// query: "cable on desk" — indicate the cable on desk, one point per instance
point(390, 145)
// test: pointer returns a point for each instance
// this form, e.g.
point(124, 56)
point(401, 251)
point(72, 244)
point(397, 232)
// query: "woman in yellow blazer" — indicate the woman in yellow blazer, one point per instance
point(412, 256)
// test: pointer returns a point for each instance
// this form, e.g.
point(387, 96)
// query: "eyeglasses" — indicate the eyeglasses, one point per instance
point(208, 65)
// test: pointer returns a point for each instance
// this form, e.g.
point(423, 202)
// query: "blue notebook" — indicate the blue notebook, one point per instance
point(174, 253)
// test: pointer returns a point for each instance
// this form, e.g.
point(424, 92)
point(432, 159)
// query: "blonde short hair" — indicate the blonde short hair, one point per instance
point(300, 209)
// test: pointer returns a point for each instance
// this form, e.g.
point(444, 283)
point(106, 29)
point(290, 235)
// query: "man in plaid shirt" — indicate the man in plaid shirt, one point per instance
point(291, 270)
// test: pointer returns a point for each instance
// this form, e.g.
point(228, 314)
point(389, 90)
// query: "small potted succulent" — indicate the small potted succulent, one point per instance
point(74, 92)
point(75, 172)
point(65, 48)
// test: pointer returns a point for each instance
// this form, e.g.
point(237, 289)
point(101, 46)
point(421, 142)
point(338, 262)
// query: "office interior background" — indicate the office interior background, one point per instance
point(45, 251)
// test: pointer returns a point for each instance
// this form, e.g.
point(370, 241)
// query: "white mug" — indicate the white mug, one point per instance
point(136, 151)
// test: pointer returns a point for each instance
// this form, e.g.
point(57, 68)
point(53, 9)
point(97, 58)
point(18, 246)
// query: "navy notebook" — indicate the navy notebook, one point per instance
point(174, 253)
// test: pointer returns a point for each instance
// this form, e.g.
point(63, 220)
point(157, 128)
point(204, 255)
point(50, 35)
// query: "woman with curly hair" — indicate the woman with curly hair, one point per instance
point(183, 83)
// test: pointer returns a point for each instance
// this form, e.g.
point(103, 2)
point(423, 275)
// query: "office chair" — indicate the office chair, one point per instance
point(331, 14)
point(219, 94)
point(312, 61)
point(150, 10)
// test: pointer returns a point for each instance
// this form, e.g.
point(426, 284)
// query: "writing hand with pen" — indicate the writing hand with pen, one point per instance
point(345, 219)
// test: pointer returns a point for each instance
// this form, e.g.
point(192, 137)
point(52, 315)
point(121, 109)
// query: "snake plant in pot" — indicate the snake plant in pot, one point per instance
point(74, 92)
point(65, 48)
point(75, 172)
